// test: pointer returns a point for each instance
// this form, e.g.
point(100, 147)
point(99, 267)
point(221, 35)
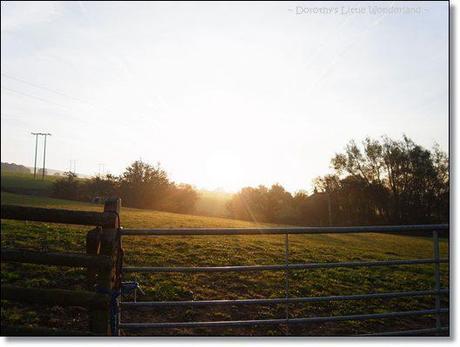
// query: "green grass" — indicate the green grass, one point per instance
point(208, 204)
point(25, 183)
point(227, 250)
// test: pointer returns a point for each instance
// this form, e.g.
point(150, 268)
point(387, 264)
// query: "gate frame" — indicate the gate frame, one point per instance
point(437, 292)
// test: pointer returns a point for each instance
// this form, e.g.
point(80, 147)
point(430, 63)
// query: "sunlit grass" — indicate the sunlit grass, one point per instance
point(14, 181)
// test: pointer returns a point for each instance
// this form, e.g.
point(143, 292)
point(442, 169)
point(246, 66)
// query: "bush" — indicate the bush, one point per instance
point(67, 187)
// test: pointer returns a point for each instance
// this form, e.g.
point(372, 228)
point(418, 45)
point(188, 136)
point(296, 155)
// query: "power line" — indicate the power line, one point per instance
point(34, 97)
point(43, 100)
point(35, 85)
point(47, 89)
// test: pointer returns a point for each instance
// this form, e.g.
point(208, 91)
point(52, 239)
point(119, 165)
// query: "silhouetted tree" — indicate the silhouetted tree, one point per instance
point(180, 198)
point(382, 181)
point(100, 187)
point(404, 182)
point(67, 187)
point(143, 185)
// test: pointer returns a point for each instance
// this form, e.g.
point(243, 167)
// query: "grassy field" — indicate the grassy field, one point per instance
point(227, 250)
point(209, 203)
point(26, 184)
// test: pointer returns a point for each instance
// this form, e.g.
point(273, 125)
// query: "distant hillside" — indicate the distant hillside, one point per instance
point(24, 183)
point(210, 203)
point(12, 167)
point(17, 168)
point(53, 172)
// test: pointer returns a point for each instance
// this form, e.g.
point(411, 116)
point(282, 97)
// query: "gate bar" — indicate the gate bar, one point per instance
point(437, 276)
point(281, 300)
point(240, 268)
point(409, 332)
point(286, 284)
point(279, 321)
point(283, 230)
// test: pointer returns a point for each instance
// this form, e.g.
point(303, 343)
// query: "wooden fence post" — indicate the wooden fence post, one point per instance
point(107, 280)
point(93, 245)
point(112, 244)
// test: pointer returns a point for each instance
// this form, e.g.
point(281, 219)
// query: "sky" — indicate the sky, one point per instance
point(222, 95)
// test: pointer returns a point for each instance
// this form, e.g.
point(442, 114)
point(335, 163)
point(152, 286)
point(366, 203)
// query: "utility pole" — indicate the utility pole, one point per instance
point(103, 168)
point(44, 153)
point(36, 145)
point(73, 166)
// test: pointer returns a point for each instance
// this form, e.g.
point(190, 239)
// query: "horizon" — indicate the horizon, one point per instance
point(267, 96)
point(220, 190)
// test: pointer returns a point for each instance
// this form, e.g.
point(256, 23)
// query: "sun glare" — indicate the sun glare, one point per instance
point(223, 169)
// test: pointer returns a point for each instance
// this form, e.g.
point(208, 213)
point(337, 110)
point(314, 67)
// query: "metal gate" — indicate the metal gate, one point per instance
point(437, 292)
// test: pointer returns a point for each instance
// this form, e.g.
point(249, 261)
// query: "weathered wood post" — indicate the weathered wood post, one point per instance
point(107, 281)
point(93, 246)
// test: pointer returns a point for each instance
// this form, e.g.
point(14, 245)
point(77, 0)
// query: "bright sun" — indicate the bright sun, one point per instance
point(223, 169)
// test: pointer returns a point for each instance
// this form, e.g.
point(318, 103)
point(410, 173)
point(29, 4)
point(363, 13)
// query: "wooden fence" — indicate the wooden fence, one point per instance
point(102, 260)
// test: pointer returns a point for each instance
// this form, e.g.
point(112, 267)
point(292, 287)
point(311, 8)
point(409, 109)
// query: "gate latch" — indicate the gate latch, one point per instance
point(131, 286)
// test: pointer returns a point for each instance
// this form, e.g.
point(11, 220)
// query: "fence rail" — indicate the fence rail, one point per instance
point(59, 259)
point(60, 297)
point(100, 260)
point(40, 331)
point(51, 215)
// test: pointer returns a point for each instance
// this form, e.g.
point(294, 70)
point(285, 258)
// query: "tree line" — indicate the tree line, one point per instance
point(382, 181)
point(12, 167)
point(140, 186)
